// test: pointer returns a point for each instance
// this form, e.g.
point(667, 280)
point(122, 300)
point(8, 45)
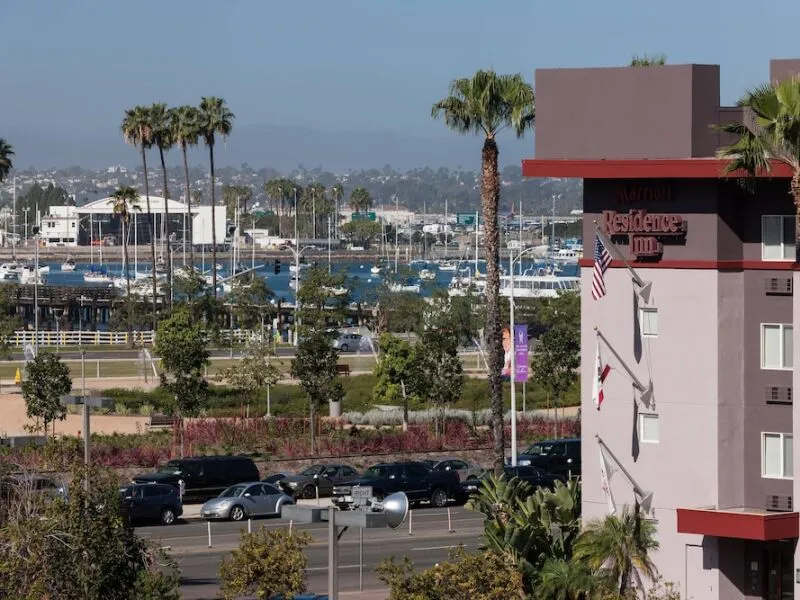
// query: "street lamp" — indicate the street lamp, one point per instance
point(297, 252)
point(25, 210)
point(35, 231)
point(513, 377)
point(88, 402)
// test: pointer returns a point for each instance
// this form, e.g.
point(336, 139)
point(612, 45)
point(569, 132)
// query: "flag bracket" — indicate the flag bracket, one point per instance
point(645, 287)
point(644, 499)
point(646, 391)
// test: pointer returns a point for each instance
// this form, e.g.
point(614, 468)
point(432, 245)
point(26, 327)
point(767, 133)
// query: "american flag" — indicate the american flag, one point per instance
point(601, 261)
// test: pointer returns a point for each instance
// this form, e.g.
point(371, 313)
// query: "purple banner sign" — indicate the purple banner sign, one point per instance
point(521, 353)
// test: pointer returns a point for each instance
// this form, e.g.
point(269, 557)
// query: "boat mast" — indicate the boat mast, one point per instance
point(135, 248)
point(476, 243)
point(396, 230)
point(520, 232)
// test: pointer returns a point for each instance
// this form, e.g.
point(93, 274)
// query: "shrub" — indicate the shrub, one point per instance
point(267, 563)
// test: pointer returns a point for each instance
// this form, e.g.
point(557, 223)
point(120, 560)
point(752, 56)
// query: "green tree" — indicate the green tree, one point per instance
point(80, 548)
point(620, 547)
point(251, 302)
point(185, 125)
point(6, 152)
point(267, 564)
point(466, 576)
point(484, 105)
point(181, 345)
point(360, 200)
point(557, 359)
point(312, 201)
point(394, 373)
point(439, 378)
point(215, 119)
point(125, 200)
point(318, 305)
point(773, 137)
point(163, 139)
point(361, 232)
point(337, 195)
point(10, 321)
point(137, 130)
point(646, 60)
point(46, 380)
point(562, 579)
point(255, 371)
point(233, 196)
point(315, 366)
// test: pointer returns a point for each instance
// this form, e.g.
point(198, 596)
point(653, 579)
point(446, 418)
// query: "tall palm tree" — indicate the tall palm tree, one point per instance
point(562, 579)
point(274, 191)
point(163, 140)
point(360, 200)
point(124, 201)
point(619, 546)
point(138, 132)
point(485, 105)
point(774, 138)
point(6, 152)
point(337, 195)
point(215, 119)
point(313, 196)
point(185, 124)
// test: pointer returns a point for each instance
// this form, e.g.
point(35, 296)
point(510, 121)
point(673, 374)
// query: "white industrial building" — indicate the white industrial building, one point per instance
point(96, 223)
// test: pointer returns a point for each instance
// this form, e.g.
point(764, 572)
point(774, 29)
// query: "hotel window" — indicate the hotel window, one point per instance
point(648, 322)
point(776, 456)
point(649, 428)
point(776, 346)
point(777, 237)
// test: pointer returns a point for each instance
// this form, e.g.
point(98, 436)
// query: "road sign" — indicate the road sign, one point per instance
point(365, 216)
point(362, 491)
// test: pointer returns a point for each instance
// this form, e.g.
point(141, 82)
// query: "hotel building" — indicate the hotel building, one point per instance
point(698, 404)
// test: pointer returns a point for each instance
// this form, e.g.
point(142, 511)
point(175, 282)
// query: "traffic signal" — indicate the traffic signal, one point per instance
point(277, 266)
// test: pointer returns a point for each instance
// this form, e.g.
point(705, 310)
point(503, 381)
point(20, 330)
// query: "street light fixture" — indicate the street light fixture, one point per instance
point(513, 376)
point(297, 252)
point(35, 231)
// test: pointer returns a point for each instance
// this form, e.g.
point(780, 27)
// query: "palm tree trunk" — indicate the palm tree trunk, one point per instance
point(128, 300)
point(188, 207)
point(152, 239)
point(490, 200)
point(795, 191)
point(213, 223)
point(166, 228)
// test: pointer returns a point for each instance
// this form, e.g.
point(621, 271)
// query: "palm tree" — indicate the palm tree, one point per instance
point(124, 200)
point(138, 132)
point(360, 200)
point(562, 579)
point(337, 195)
point(774, 138)
point(185, 124)
point(163, 140)
point(484, 105)
point(619, 546)
point(6, 152)
point(313, 195)
point(215, 119)
point(274, 191)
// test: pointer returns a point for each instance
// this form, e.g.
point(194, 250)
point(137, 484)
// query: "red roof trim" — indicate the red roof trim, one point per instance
point(667, 168)
point(739, 525)
point(712, 265)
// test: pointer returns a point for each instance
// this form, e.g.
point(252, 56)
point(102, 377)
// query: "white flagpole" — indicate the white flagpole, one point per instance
point(644, 286)
point(645, 390)
point(645, 498)
point(604, 478)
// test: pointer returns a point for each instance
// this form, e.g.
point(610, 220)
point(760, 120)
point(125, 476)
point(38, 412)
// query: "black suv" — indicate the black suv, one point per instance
point(203, 477)
point(151, 502)
point(558, 457)
point(536, 477)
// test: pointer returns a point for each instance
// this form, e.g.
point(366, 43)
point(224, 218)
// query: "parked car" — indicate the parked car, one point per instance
point(34, 483)
point(347, 342)
point(255, 499)
point(274, 477)
point(416, 479)
point(463, 468)
point(560, 457)
point(151, 502)
point(203, 477)
point(533, 475)
point(322, 476)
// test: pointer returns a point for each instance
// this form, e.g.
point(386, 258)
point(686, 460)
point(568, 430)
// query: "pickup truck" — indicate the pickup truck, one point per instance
point(419, 483)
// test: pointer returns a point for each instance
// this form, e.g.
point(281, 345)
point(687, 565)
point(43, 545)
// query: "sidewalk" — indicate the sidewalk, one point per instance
point(191, 512)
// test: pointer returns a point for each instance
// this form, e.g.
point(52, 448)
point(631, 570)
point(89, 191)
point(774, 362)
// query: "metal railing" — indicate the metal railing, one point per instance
point(80, 338)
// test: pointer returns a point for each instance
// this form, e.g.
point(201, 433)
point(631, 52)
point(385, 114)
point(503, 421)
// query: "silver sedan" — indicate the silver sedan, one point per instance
point(245, 500)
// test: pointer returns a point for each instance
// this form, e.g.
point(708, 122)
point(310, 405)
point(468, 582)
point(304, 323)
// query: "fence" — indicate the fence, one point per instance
point(80, 338)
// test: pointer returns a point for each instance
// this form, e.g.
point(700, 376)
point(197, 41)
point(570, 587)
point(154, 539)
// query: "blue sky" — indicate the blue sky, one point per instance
point(344, 65)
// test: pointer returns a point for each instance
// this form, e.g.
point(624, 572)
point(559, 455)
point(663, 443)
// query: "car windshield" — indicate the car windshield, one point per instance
point(233, 492)
point(311, 471)
point(170, 467)
point(376, 472)
point(539, 449)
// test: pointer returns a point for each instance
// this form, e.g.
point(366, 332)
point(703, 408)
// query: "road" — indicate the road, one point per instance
point(429, 543)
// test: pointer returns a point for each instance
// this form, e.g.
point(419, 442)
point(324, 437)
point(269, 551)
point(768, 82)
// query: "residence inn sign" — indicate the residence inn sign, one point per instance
point(644, 231)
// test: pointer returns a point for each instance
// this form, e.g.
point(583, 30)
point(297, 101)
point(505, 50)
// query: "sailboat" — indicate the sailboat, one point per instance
point(68, 265)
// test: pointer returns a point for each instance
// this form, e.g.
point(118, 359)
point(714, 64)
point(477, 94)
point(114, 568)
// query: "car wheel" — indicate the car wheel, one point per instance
point(344, 348)
point(439, 498)
point(167, 516)
point(237, 513)
point(471, 478)
point(308, 492)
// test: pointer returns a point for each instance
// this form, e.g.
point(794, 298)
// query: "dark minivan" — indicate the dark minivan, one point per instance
point(151, 502)
point(558, 457)
point(203, 477)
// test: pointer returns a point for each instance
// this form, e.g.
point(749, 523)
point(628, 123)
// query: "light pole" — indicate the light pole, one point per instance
point(297, 252)
point(25, 210)
point(513, 352)
point(36, 289)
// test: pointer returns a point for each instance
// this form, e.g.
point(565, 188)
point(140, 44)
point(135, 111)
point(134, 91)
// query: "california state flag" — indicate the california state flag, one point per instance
point(600, 374)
